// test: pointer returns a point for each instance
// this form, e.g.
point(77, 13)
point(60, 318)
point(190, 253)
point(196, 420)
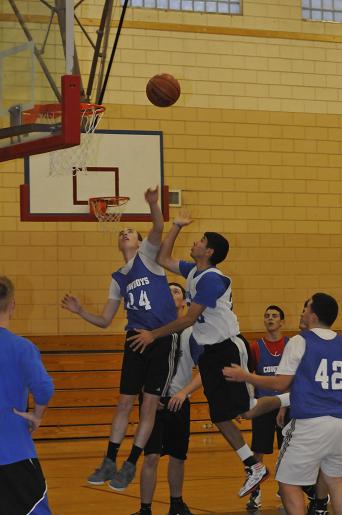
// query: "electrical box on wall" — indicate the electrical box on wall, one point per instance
point(175, 198)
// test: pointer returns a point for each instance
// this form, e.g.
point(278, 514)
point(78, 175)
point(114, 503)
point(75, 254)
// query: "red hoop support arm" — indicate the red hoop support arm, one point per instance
point(71, 120)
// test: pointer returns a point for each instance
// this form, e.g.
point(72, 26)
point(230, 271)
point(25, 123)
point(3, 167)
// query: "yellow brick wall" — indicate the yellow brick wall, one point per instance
point(254, 143)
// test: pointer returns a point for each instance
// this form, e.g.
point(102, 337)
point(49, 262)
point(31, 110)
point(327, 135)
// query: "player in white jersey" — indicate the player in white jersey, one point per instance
point(216, 328)
point(312, 366)
point(171, 431)
point(143, 286)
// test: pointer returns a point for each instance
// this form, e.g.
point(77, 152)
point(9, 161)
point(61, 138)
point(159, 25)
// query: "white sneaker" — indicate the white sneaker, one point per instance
point(256, 474)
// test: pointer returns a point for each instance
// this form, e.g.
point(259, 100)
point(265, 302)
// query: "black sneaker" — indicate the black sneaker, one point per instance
point(313, 509)
point(182, 509)
point(254, 502)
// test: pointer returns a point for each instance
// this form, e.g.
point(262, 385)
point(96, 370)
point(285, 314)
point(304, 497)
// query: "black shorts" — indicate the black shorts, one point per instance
point(22, 487)
point(171, 432)
point(263, 430)
point(226, 399)
point(152, 370)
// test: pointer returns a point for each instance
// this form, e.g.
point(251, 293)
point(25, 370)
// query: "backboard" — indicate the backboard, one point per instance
point(122, 163)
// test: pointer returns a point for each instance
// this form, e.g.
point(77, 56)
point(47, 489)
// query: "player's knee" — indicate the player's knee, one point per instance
point(151, 460)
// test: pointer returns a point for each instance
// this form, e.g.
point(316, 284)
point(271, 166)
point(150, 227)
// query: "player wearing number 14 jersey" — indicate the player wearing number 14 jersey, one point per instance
point(142, 285)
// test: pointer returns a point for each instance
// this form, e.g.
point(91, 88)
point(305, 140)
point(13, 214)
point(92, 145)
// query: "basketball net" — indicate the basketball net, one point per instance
point(108, 209)
point(70, 161)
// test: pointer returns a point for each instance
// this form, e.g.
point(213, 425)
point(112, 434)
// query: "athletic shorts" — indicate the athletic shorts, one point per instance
point(171, 432)
point(263, 430)
point(151, 370)
point(310, 444)
point(23, 489)
point(226, 399)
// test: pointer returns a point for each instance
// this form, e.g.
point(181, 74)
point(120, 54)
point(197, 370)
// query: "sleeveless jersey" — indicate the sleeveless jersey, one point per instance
point(266, 366)
point(317, 387)
point(147, 297)
point(215, 324)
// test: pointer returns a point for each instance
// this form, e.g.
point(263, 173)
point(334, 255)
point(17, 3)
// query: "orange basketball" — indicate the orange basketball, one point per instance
point(163, 90)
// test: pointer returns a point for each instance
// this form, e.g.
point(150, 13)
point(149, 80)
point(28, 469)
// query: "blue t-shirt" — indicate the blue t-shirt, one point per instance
point(21, 372)
point(209, 288)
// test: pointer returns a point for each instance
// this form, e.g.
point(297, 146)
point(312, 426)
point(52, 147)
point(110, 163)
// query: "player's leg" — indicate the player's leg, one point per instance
point(334, 485)
point(292, 498)
point(131, 381)
point(148, 475)
point(176, 443)
point(155, 373)
point(331, 462)
point(227, 400)
point(298, 462)
point(263, 429)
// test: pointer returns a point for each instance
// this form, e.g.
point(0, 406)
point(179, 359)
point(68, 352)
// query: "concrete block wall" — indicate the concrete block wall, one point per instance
point(254, 143)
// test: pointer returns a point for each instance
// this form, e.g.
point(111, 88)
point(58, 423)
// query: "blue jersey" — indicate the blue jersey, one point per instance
point(147, 296)
point(21, 372)
point(317, 387)
point(267, 366)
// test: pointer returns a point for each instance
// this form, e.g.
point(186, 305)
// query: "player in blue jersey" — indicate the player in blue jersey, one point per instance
point(312, 367)
point(142, 285)
point(22, 485)
point(171, 431)
point(266, 353)
point(215, 327)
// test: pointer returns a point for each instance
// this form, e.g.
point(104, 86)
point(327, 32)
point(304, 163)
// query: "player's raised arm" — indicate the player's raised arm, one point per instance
point(103, 320)
point(155, 234)
point(165, 258)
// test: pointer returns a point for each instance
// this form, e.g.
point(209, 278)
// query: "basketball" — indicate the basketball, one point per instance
point(163, 90)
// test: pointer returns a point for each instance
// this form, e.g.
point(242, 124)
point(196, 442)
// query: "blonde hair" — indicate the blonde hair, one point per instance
point(6, 293)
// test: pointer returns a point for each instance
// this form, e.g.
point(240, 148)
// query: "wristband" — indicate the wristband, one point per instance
point(178, 225)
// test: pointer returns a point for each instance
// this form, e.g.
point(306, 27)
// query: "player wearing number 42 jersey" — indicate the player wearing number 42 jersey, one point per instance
point(311, 366)
point(142, 284)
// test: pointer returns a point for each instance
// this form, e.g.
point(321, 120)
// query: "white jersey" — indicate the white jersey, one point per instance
point(185, 365)
point(215, 324)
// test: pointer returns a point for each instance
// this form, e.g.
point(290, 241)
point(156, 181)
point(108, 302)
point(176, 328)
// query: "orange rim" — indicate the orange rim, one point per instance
point(55, 111)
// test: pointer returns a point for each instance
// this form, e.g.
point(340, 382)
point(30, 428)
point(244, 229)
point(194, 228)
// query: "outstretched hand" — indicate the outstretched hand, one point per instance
point(176, 401)
point(141, 340)
point(33, 421)
point(183, 218)
point(235, 373)
point(71, 303)
point(152, 195)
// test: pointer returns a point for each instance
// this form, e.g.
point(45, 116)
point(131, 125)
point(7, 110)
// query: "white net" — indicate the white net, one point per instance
point(70, 161)
point(108, 209)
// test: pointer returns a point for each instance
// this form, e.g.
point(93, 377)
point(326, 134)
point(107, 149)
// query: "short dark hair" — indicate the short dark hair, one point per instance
point(277, 308)
point(180, 287)
point(219, 245)
point(325, 307)
point(6, 293)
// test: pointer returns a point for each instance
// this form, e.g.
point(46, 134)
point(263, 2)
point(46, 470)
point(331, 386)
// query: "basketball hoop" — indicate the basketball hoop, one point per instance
point(71, 160)
point(108, 209)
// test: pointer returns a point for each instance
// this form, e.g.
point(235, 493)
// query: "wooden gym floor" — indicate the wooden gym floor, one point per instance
point(213, 476)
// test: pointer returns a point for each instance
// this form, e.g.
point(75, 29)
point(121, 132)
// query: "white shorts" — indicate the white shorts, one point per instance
point(310, 444)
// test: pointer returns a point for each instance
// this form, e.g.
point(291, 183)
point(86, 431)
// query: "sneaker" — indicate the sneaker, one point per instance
point(256, 474)
point(254, 502)
point(123, 477)
point(104, 473)
point(314, 510)
point(179, 510)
